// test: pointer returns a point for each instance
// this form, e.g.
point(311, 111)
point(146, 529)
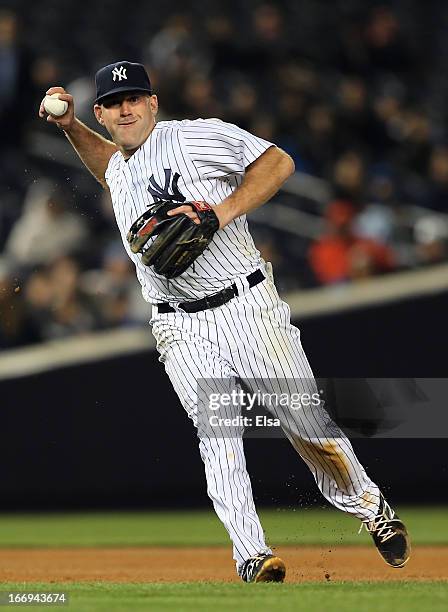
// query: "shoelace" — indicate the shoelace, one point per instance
point(381, 524)
point(250, 563)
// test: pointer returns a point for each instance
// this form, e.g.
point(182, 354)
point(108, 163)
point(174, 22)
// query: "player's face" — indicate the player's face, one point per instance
point(129, 118)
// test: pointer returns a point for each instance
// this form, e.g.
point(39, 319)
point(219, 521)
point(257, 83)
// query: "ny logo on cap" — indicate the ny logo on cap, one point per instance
point(119, 73)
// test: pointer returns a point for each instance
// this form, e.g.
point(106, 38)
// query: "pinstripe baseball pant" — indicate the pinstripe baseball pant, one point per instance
point(251, 337)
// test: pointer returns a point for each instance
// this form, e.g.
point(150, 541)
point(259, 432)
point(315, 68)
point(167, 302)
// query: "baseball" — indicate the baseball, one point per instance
point(54, 106)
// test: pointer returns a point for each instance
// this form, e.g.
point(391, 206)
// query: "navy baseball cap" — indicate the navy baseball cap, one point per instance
point(119, 77)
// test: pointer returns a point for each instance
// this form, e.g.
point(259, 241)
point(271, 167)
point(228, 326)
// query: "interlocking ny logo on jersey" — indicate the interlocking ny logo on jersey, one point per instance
point(170, 191)
point(119, 73)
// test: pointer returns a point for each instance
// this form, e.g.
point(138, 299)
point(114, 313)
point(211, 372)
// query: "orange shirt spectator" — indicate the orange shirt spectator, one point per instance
point(340, 255)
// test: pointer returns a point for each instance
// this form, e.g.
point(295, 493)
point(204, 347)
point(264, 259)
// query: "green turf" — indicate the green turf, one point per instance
point(337, 597)
point(427, 526)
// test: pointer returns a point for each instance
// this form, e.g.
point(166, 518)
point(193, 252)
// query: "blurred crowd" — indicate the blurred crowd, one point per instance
point(354, 90)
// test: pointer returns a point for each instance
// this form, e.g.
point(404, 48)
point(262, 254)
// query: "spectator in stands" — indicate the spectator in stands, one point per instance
point(387, 49)
point(356, 123)
point(16, 114)
point(349, 178)
point(412, 156)
point(38, 296)
point(45, 70)
point(436, 189)
point(264, 125)
point(16, 327)
point(431, 236)
point(319, 143)
point(267, 45)
point(242, 104)
point(377, 218)
point(114, 290)
point(173, 55)
point(175, 51)
point(340, 255)
point(46, 229)
point(73, 312)
point(199, 99)
point(14, 81)
point(387, 106)
point(222, 46)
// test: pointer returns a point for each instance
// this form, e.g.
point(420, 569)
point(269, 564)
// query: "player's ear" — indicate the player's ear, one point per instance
point(97, 109)
point(154, 104)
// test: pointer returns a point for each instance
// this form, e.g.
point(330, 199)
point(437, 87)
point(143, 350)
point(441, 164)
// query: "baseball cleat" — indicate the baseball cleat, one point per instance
point(390, 535)
point(263, 568)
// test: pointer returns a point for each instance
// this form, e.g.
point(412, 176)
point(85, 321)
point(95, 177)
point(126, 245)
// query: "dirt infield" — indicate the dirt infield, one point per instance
point(195, 564)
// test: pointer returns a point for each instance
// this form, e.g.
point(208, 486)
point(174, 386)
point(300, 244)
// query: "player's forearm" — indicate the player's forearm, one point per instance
point(262, 180)
point(94, 150)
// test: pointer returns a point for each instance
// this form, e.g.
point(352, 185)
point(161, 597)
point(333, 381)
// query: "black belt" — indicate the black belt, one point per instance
point(215, 300)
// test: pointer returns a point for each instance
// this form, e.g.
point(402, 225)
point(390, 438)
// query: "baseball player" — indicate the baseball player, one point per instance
point(216, 313)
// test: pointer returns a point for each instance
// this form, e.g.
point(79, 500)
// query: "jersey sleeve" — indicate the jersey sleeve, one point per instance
point(218, 149)
point(112, 166)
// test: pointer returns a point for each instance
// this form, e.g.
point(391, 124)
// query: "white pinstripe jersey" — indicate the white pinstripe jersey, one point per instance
point(184, 161)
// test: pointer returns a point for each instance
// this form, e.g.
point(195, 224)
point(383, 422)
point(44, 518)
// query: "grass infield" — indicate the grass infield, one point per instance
point(337, 597)
point(202, 528)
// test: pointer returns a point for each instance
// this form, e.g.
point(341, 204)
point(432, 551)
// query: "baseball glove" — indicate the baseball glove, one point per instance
point(172, 244)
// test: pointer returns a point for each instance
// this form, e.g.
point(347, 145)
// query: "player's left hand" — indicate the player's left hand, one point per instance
point(175, 243)
point(188, 210)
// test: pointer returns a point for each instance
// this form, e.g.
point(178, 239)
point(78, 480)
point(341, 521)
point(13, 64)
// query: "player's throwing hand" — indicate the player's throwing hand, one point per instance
point(66, 120)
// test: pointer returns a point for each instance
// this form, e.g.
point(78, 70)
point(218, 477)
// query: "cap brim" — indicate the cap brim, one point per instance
point(101, 99)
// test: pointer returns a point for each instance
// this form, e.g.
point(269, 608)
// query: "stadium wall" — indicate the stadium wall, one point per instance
point(111, 433)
